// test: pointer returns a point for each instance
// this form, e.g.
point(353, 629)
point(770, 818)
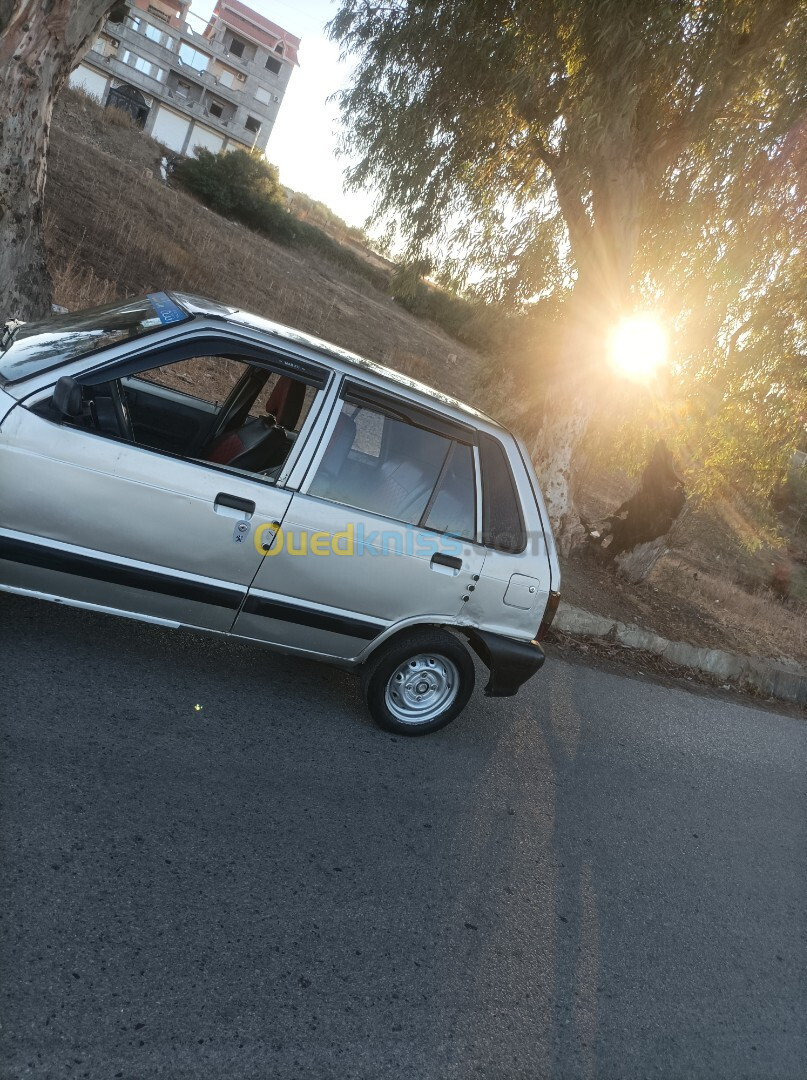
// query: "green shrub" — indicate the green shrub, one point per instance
point(241, 185)
point(246, 187)
point(470, 321)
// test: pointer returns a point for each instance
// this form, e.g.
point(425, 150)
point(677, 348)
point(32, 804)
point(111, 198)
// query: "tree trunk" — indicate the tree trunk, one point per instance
point(563, 426)
point(577, 364)
point(635, 565)
point(40, 41)
point(603, 250)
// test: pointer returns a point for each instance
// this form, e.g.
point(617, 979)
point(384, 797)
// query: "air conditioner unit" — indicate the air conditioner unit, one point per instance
point(240, 77)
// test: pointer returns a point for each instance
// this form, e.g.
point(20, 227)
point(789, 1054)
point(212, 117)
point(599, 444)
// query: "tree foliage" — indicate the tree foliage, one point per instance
point(599, 155)
point(725, 255)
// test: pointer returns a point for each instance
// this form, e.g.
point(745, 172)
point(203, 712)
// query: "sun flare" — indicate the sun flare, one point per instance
point(639, 346)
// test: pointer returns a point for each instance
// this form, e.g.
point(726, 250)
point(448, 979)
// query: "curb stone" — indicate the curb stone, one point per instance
point(776, 680)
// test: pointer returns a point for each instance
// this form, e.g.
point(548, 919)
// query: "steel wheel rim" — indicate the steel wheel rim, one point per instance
point(421, 688)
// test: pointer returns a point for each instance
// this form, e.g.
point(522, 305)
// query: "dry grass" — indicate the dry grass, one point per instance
point(757, 622)
point(119, 118)
point(127, 232)
point(76, 286)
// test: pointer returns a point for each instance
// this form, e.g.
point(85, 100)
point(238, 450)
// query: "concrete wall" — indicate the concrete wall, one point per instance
point(91, 82)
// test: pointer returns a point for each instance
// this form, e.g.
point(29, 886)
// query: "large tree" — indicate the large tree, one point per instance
point(538, 140)
point(40, 42)
point(725, 255)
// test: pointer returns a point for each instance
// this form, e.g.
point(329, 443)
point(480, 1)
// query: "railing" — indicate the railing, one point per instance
point(196, 105)
point(175, 37)
point(132, 75)
point(172, 56)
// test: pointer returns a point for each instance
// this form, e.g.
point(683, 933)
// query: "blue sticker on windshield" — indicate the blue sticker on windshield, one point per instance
point(167, 310)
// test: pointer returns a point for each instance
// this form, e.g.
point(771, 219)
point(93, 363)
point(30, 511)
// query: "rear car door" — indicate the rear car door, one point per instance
point(382, 532)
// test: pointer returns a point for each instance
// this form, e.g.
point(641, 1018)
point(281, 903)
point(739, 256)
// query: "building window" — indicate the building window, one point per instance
point(144, 66)
point(252, 124)
point(273, 65)
point(263, 96)
point(226, 77)
point(279, 48)
point(193, 58)
point(183, 89)
point(153, 33)
point(216, 109)
point(236, 47)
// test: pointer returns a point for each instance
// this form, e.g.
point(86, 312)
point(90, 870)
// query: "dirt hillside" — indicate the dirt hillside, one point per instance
point(114, 229)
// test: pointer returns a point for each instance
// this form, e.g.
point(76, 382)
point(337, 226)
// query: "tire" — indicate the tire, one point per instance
point(431, 661)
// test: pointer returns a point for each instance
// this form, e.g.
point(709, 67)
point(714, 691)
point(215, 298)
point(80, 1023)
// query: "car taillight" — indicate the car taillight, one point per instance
point(549, 615)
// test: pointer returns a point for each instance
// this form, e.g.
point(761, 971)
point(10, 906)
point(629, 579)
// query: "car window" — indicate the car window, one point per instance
point(502, 522)
point(213, 379)
point(386, 466)
point(453, 507)
point(211, 408)
point(207, 378)
point(252, 426)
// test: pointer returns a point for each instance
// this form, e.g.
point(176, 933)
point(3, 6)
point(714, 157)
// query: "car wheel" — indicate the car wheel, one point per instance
point(418, 682)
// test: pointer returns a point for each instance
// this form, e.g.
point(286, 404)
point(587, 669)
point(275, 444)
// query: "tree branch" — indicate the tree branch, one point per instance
point(747, 49)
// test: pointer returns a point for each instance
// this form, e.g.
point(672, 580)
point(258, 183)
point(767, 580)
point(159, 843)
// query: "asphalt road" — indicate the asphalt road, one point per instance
point(602, 877)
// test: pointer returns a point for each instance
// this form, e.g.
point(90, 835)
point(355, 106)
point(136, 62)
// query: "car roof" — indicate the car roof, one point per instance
point(201, 306)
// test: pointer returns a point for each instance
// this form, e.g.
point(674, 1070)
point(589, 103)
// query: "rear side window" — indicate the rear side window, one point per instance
point(453, 505)
point(502, 521)
point(387, 466)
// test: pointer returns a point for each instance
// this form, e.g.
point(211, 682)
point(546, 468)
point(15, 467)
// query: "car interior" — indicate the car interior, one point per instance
point(397, 470)
point(252, 429)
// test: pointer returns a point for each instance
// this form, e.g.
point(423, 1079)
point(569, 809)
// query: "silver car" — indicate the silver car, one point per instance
point(182, 462)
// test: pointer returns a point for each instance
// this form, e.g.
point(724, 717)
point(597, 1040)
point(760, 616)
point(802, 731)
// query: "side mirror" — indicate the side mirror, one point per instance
point(67, 399)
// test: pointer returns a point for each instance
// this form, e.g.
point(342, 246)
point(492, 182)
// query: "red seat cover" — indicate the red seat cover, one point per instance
point(225, 449)
point(285, 402)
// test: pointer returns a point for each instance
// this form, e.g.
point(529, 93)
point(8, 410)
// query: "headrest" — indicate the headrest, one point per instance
point(285, 402)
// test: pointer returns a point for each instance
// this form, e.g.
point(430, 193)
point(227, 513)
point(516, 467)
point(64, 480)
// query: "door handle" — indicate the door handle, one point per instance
point(451, 561)
point(225, 502)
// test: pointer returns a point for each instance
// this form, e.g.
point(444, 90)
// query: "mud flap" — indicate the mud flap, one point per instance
point(509, 662)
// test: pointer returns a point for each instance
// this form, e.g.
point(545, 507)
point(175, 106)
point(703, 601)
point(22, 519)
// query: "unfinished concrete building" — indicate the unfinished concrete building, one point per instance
point(218, 84)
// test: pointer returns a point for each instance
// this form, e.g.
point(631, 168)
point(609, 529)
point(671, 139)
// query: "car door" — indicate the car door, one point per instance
point(124, 527)
point(382, 532)
point(121, 527)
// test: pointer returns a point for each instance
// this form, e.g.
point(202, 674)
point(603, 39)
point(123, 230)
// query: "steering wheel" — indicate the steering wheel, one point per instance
point(236, 408)
point(121, 407)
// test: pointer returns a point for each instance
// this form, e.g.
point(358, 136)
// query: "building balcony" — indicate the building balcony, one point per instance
point(127, 73)
point(196, 38)
point(168, 56)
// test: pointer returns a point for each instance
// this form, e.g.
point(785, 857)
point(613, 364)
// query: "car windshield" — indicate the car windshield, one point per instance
point(37, 346)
